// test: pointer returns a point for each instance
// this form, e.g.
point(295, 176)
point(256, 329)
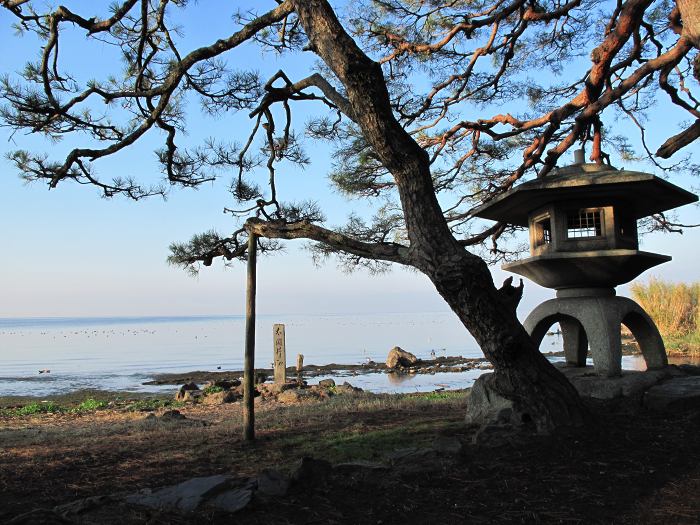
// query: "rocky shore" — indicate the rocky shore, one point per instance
point(421, 366)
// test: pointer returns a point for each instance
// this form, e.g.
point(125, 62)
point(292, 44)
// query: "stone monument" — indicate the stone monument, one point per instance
point(582, 221)
point(280, 354)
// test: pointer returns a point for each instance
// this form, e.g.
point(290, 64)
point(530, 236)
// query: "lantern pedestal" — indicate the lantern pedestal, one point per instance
point(592, 316)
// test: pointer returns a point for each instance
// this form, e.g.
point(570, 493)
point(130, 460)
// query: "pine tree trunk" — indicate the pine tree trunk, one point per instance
point(690, 17)
point(689, 11)
point(539, 394)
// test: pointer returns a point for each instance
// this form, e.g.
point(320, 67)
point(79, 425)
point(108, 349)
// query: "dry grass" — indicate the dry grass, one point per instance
point(675, 308)
point(79, 448)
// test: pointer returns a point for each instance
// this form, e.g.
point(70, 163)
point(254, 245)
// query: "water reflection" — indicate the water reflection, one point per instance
point(398, 378)
point(392, 383)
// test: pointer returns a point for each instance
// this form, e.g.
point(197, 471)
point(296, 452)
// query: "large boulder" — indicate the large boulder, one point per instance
point(326, 383)
point(297, 395)
point(486, 407)
point(219, 398)
point(399, 358)
point(185, 392)
point(347, 388)
point(226, 384)
point(274, 389)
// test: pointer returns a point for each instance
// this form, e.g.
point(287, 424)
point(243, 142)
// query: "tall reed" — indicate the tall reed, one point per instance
point(674, 307)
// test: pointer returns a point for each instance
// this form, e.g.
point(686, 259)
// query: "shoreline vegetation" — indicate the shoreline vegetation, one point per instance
point(80, 400)
point(675, 308)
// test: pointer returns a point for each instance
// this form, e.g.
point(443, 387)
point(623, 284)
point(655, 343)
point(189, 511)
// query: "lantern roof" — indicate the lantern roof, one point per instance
point(641, 194)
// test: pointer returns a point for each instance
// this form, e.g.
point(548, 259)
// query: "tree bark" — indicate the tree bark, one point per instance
point(689, 11)
point(690, 17)
point(522, 375)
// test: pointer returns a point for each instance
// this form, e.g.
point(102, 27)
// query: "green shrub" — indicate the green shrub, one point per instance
point(38, 408)
point(90, 405)
point(152, 404)
point(443, 394)
point(212, 389)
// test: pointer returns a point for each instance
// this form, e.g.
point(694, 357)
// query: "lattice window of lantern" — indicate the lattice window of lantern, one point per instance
point(584, 223)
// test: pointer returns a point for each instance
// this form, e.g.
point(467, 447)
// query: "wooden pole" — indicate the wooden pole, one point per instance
point(249, 363)
point(300, 366)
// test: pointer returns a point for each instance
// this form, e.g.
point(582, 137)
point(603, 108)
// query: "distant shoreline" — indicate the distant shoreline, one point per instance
point(34, 321)
point(47, 322)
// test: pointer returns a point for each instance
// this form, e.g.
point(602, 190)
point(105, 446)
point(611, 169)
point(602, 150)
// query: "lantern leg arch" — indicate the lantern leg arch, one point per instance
point(591, 318)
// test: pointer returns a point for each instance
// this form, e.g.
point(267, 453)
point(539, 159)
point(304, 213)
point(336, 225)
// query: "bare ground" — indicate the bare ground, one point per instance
point(632, 466)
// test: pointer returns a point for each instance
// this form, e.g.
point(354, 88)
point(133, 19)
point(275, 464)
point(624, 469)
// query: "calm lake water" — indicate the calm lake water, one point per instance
point(120, 353)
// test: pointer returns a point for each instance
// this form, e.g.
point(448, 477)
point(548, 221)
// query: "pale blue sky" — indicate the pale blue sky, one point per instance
point(70, 253)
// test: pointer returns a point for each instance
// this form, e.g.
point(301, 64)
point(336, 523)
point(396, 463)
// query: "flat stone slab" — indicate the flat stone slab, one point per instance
point(676, 394)
point(232, 500)
point(630, 383)
point(185, 496)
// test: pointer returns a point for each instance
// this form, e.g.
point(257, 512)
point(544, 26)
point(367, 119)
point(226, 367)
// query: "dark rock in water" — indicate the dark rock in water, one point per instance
point(399, 358)
point(226, 384)
point(675, 394)
point(326, 383)
point(182, 391)
point(347, 388)
point(272, 483)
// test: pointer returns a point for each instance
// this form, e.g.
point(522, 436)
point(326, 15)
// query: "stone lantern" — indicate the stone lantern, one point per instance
point(582, 221)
